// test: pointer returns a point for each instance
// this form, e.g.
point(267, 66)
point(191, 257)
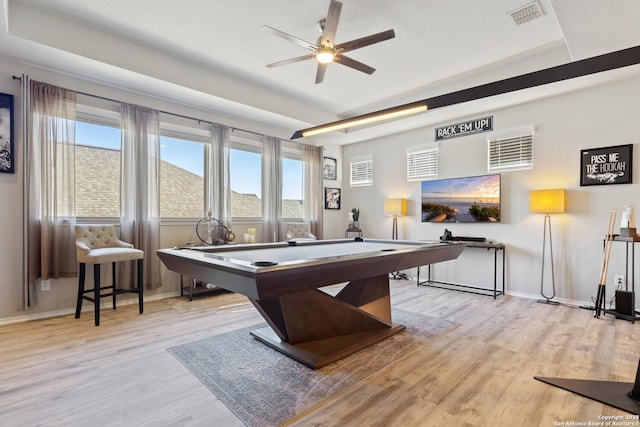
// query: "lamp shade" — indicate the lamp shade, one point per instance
point(547, 201)
point(395, 207)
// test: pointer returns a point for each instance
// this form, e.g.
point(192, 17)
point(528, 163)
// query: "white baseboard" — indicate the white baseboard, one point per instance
point(134, 300)
point(86, 307)
point(568, 302)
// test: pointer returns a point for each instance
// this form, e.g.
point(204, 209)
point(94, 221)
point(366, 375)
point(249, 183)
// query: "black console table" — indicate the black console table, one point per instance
point(630, 241)
point(495, 246)
point(357, 231)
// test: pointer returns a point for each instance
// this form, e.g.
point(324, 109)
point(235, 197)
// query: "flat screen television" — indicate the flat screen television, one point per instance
point(467, 199)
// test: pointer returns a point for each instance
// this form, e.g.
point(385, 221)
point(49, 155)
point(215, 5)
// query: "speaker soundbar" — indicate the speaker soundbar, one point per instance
point(469, 239)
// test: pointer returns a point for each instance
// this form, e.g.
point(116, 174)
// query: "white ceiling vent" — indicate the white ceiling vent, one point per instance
point(527, 13)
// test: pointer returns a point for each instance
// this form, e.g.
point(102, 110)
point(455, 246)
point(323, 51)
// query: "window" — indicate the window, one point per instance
point(511, 152)
point(292, 189)
point(184, 151)
point(246, 182)
point(97, 169)
point(361, 171)
point(246, 178)
point(422, 164)
point(181, 178)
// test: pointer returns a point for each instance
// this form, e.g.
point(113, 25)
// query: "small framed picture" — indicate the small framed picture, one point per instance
point(330, 168)
point(331, 198)
point(6, 134)
point(606, 165)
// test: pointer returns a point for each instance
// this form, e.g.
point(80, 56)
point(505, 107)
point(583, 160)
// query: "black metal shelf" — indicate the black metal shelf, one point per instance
point(460, 287)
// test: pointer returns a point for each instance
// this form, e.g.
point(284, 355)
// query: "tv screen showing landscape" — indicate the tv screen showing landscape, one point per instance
point(468, 199)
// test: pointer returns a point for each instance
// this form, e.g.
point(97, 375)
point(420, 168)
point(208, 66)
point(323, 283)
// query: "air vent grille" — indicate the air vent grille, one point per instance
point(527, 13)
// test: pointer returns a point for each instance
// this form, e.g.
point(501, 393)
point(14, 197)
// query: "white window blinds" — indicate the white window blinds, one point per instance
point(513, 152)
point(361, 172)
point(422, 164)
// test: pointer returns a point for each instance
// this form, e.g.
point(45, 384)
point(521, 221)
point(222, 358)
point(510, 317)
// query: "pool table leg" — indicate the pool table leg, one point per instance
point(316, 328)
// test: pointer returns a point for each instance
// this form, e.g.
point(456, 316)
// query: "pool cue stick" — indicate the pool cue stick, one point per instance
point(601, 287)
point(601, 294)
point(598, 303)
point(607, 256)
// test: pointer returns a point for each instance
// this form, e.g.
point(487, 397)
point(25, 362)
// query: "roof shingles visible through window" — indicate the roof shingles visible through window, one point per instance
point(181, 192)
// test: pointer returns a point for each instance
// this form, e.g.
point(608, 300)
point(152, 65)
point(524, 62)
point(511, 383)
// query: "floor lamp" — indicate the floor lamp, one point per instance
point(395, 208)
point(547, 202)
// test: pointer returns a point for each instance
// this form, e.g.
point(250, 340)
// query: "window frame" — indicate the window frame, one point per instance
point(100, 112)
point(293, 152)
point(518, 146)
point(246, 141)
point(191, 130)
point(422, 158)
point(354, 172)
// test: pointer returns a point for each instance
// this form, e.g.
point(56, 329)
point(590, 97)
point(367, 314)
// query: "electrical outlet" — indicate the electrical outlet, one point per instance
point(619, 280)
point(45, 285)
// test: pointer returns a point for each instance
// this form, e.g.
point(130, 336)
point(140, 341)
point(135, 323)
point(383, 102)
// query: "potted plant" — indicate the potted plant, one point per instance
point(356, 217)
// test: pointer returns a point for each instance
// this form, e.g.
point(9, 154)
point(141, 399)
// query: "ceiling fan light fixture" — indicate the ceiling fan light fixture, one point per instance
point(325, 55)
point(325, 50)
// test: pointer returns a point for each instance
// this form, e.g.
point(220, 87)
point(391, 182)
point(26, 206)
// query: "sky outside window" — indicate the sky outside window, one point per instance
point(246, 166)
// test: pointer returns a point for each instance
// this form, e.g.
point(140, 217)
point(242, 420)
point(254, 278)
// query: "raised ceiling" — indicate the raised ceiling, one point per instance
point(211, 54)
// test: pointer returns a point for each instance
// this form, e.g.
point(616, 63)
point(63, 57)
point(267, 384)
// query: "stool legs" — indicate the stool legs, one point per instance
point(140, 284)
point(113, 281)
point(114, 291)
point(81, 274)
point(96, 293)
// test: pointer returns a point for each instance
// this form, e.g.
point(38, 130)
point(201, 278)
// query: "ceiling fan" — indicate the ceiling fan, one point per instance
point(325, 50)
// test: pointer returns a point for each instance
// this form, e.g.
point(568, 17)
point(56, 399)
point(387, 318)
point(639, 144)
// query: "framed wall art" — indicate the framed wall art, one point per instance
point(331, 198)
point(6, 134)
point(606, 165)
point(330, 168)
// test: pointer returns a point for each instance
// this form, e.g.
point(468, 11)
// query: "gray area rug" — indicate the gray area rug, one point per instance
point(266, 388)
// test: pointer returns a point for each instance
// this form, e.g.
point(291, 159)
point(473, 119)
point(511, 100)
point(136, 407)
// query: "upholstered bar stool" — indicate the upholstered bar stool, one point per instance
point(98, 244)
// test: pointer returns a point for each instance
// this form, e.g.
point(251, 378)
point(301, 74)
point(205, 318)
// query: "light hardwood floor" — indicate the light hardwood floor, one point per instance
point(67, 372)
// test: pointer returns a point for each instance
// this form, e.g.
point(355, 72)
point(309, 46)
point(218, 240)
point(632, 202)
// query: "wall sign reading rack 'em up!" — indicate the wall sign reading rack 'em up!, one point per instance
point(470, 127)
point(607, 165)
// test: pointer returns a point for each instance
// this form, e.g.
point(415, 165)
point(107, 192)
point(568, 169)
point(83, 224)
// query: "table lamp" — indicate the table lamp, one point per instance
point(395, 208)
point(547, 202)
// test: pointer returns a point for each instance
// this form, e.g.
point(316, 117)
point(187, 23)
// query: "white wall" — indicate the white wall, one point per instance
point(10, 213)
point(333, 224)
point(602, 116)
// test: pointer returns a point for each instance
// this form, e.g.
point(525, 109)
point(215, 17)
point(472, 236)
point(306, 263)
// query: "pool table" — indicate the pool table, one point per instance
point(283, 282)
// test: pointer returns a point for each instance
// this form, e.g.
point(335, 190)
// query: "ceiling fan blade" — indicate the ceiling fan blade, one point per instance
point(291, 38)
point(352, 63)
point(291, 61)
point(365, 41)
point(322, 68)
point(331, 23)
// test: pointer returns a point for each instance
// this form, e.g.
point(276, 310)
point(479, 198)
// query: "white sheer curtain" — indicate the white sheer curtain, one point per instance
point(218, 193)
point(271, 190)
point(50, 183)
point(140, 190)
point(313, 193)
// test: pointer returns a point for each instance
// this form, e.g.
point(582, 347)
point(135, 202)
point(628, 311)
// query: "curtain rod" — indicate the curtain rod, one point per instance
point(160, 111)
point(104, 98)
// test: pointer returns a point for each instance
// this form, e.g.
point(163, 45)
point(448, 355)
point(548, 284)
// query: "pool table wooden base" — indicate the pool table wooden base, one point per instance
point(317, 329)
point(316, 354)
point(285, 283)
